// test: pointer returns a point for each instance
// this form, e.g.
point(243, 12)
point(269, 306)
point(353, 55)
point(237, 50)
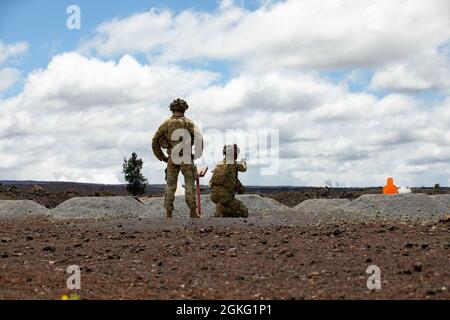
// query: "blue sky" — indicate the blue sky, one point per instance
point(43, 23)
point(347, 85)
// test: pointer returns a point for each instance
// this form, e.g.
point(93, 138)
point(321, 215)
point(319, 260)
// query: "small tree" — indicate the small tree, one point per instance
point(136, 182)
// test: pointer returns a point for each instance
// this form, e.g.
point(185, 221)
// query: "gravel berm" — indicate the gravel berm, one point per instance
point(414, 206)
point(258, 206)
point(99, 208)
point(12, 209)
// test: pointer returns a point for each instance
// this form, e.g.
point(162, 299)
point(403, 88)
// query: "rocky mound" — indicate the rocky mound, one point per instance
point(444, 198)
point(12, 209)
point(320, 205)
point(99, 208)
point(155, 207)
point(413, 206)
point(319, 210)
point(256, 204)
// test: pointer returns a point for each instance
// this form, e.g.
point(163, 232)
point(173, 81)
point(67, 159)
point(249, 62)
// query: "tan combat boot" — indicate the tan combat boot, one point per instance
point(194, 214)
point(220, 209)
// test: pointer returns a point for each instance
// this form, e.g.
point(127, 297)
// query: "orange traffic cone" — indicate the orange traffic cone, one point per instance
point(390, 187)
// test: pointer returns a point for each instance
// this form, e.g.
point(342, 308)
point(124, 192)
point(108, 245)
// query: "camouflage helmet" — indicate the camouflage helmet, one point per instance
point(178, 105)
point(231, 148)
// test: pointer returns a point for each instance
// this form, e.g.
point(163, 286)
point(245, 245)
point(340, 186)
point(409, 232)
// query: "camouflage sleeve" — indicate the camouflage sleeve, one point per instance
point(198, 142)
point(239, 187)
point(156, 146)
point(241, 167)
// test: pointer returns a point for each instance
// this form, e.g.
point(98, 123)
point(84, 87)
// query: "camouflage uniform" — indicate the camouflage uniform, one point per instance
point(162, 140)
point(224, 184)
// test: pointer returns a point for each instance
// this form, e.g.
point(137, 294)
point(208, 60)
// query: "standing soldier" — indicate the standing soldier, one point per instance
point(177, 135)
point(225, 183)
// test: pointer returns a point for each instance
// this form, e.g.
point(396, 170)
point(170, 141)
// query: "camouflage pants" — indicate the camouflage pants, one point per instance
point(227, 205)
point(188, 171)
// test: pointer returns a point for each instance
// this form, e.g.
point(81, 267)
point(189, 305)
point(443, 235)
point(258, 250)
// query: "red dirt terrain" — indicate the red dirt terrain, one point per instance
point(135, 259)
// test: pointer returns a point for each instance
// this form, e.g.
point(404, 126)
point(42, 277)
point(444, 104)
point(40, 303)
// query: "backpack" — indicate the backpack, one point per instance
point(219, 175)
point(178, 123)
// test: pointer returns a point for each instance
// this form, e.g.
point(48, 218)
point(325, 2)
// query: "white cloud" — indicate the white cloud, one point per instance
point(328, 132)
point(8, 77)
point(8, 51)
point(90, 82)
point(311, 33)
point(78, 118)
point(429, 70)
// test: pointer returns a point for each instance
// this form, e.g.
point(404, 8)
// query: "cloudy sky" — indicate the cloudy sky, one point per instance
point(357, 90)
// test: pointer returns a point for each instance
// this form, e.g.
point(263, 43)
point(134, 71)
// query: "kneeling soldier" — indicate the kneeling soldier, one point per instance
point(225, 183)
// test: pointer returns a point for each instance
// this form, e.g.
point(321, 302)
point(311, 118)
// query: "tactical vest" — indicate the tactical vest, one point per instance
point(224, 176)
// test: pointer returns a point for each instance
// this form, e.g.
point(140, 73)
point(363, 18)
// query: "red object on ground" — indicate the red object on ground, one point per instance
point(200, 173)
point(390, 187)
point(199, 207)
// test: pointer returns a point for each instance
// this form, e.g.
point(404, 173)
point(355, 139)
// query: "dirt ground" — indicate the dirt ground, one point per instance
point(139, 259)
